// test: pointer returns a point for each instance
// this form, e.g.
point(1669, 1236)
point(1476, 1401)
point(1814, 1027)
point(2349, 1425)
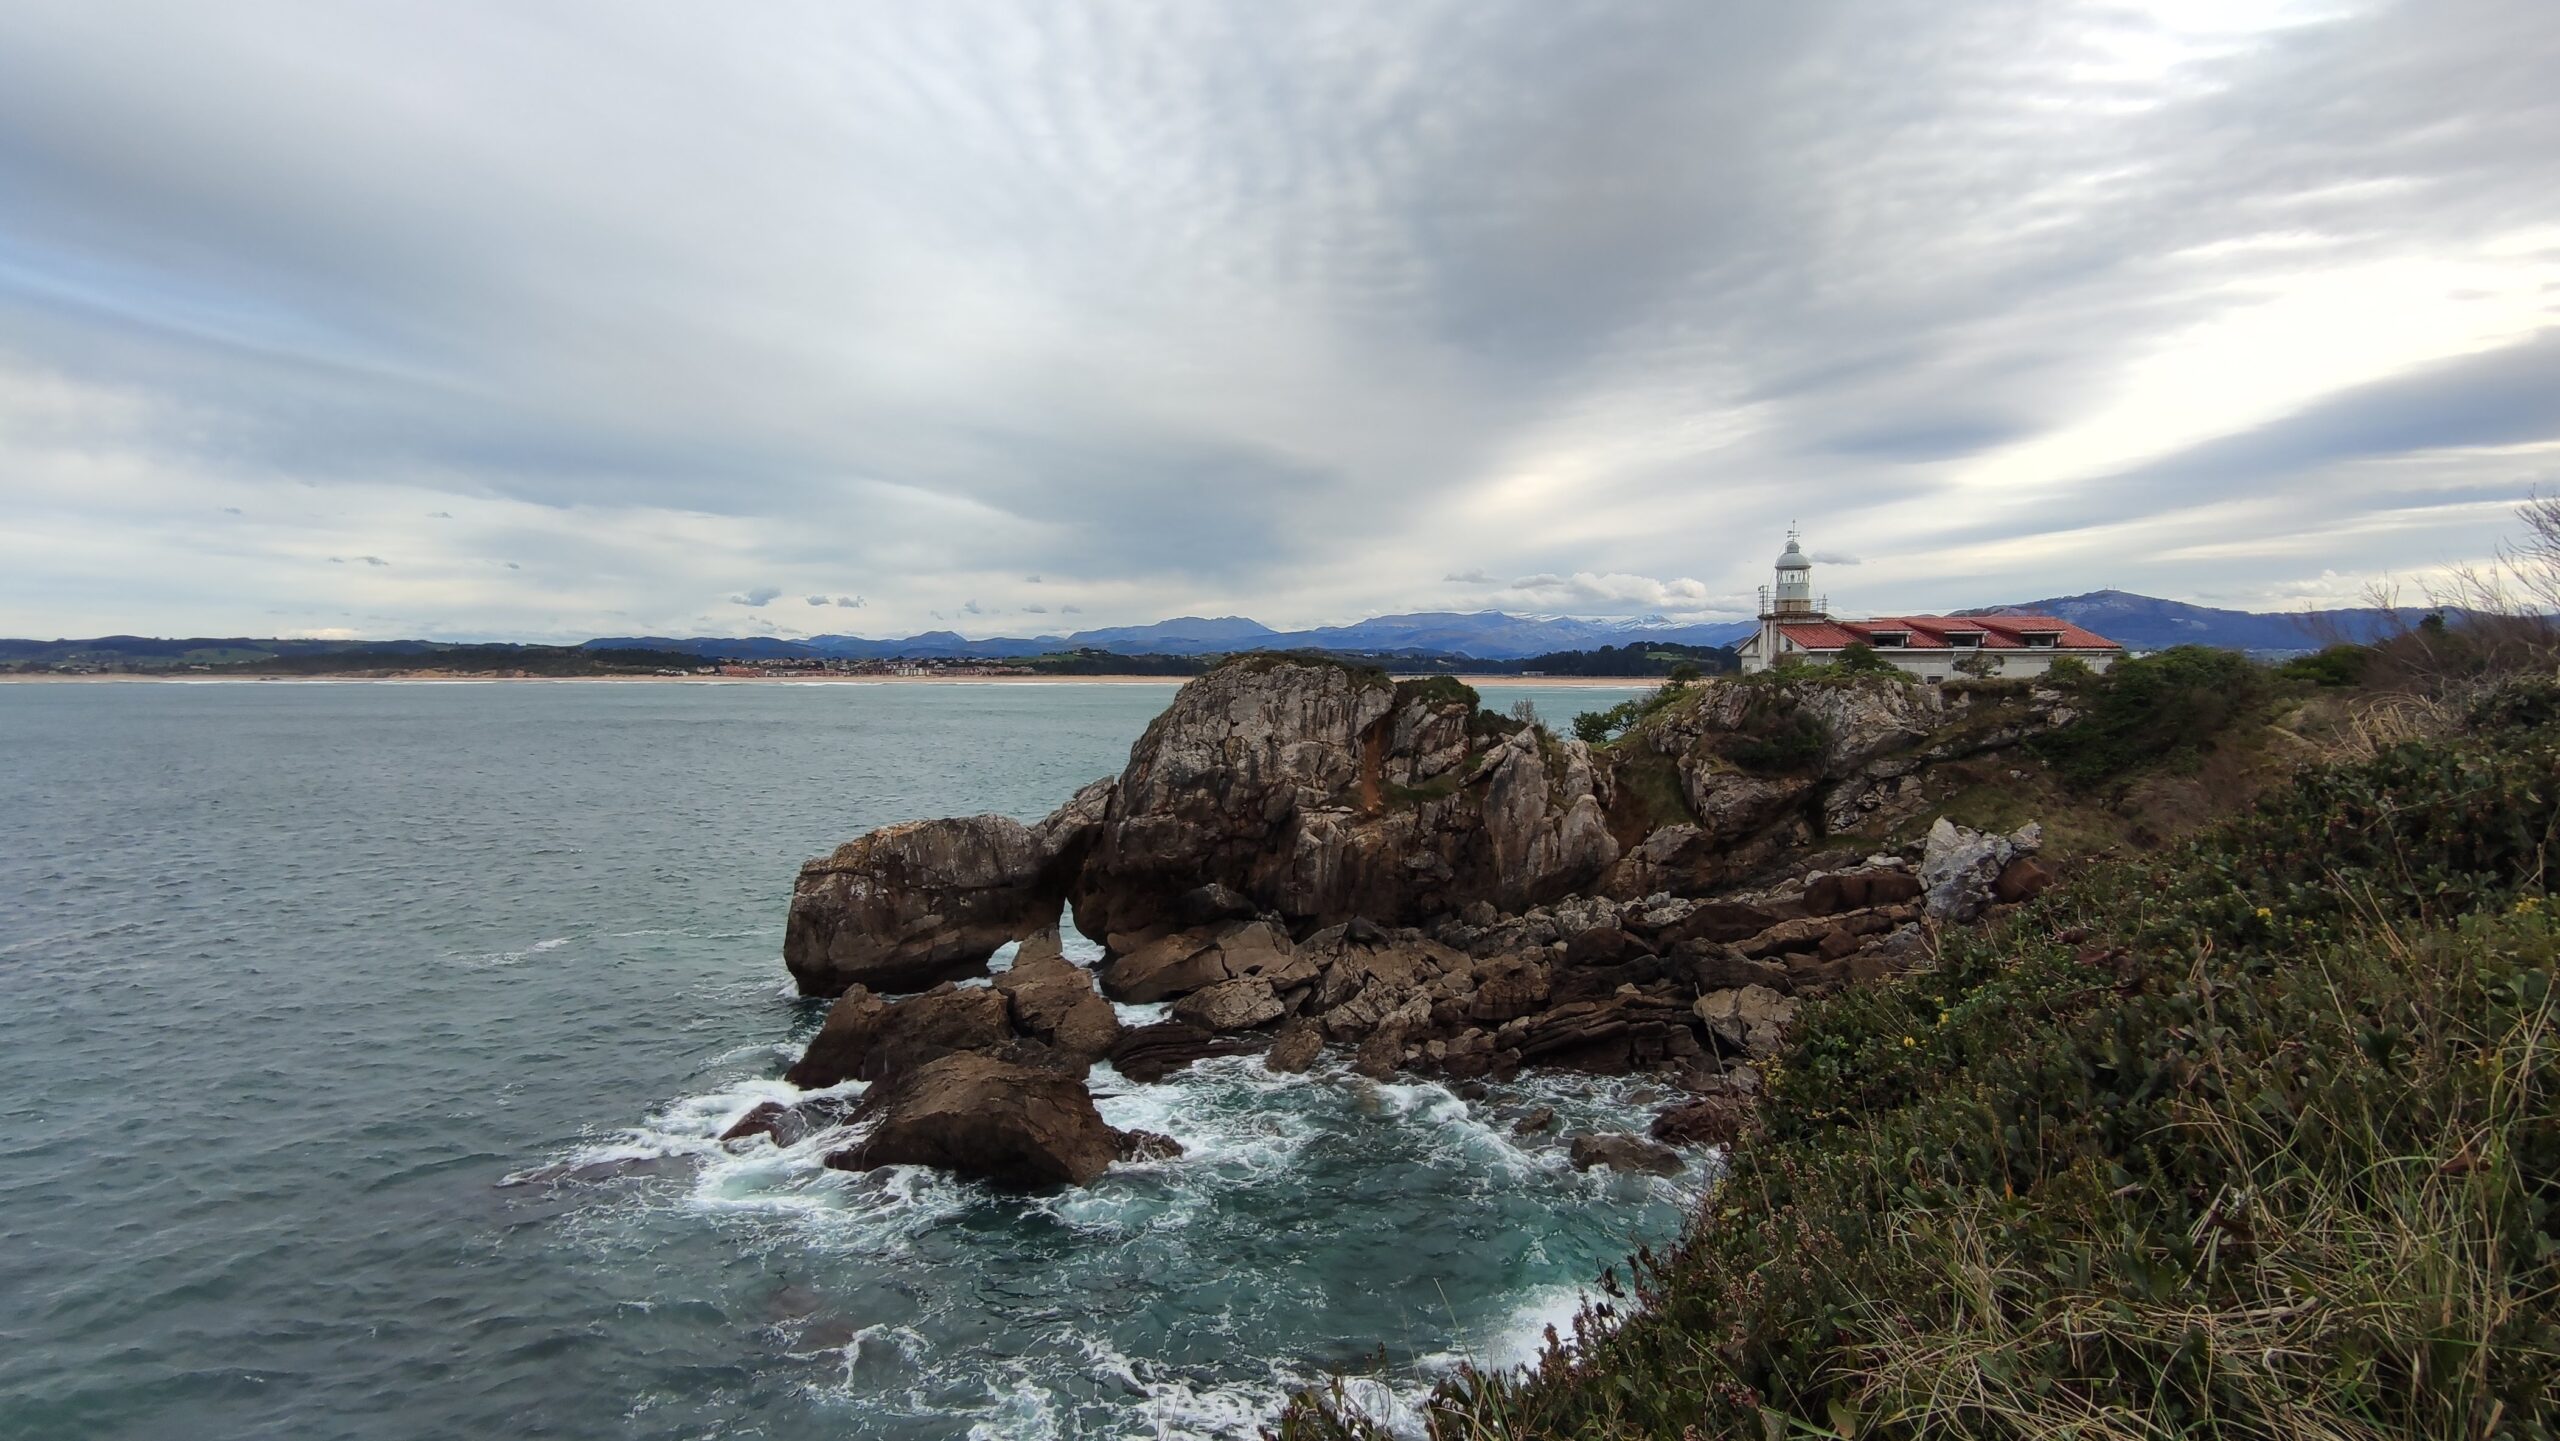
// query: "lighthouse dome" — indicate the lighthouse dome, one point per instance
point(1794, 558)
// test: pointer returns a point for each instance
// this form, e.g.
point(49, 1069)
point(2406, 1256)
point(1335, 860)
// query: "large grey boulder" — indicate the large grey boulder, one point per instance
point(1960, 867)
point(911, 905)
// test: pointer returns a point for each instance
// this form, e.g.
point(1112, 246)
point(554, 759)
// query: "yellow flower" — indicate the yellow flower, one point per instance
point(1942, 1018)
point(2265, 915)
point(2527, 905)
point(1909, 1042)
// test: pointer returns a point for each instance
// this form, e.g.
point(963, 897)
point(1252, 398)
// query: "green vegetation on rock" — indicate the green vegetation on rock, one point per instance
point(2257, 1136)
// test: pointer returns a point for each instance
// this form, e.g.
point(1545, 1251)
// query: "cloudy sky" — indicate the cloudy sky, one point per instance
point(488, 318)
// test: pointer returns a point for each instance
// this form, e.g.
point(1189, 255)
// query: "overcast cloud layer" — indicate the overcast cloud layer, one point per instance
point(545, 321)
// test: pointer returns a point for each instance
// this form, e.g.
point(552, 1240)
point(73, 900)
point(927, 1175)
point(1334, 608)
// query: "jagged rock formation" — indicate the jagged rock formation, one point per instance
point(1022, 1127)
point(911, 905)
point(1301, 853)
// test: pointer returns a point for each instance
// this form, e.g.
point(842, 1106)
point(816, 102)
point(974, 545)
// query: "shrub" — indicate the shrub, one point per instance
point(2166, 708)
point(2337, 665)
point(1860, 658)
point(1598, 727)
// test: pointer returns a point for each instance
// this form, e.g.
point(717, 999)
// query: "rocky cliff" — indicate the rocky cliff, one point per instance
point(1303, 853)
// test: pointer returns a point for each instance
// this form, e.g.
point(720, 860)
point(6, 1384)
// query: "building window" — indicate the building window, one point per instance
point(2042, 639)
point(1889, 639)
point(1964, 639)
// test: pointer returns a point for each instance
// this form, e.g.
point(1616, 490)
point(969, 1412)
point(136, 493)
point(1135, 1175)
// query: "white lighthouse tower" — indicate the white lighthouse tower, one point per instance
point(1789, 599)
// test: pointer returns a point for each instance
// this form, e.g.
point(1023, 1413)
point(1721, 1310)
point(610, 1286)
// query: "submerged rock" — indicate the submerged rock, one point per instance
point(1014, 1126)
point(1151, 1053)
point(1135, 1145)
point(1621, 1152)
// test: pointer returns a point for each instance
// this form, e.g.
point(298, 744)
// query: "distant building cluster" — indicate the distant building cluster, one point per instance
point(1796, 628)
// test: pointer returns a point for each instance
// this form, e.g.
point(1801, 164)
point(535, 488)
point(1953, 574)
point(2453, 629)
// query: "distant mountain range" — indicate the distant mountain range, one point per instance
point(1483, 635)
point(2139, 622)
point(2143, 622)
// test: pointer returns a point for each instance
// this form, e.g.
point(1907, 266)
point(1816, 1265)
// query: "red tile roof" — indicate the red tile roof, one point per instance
point(1929, 632)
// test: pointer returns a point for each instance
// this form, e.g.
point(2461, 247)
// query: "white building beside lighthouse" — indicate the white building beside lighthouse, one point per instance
point(1796, 627)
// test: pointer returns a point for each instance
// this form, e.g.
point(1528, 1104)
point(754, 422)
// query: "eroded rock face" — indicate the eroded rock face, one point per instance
point(1052, 1000)
point(1014, 1126)
point(1315, 793)
point(866, 1037)
point(1151, 1053)
point(911, 905)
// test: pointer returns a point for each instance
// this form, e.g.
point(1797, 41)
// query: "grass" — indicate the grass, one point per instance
point(2256, 1137)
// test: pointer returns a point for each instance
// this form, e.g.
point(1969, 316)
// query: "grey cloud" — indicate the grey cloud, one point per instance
point(231, 510)
point(1831, 557)
point(361, 559)
point(1592, 295)
point(439, 515)
point(1035, 610)
point(762, 595)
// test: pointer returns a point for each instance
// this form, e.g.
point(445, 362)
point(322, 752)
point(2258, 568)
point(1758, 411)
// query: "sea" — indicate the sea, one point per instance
point(363, 1047)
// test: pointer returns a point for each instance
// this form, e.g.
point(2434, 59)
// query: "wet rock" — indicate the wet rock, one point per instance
point(1541, 1119)
point(1379, 1055)
point(910, 905)
point(1237, 1005)
point(1134, 1145)
point(1148, 1054)
point(1614, 1036)
point(866, 1038)
point(788, 1125)
point(1621, 1152)
point(1012, 1126)
point(1296, 1049)
point(1052, 1000)
point(1708, 1121)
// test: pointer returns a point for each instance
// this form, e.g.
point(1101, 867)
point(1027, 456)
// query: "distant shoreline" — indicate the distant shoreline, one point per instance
point(1551, 682)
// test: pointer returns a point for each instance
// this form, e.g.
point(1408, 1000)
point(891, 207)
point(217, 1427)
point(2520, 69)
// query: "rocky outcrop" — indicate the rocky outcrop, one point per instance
point(911, 905)
point(866, 1037)
point(1019, 1127)
point(1301, 852)
point(1961, 868)
point(1151, 1053)
point(1624, 1153)
point(1315, 793)
point(1051, 1000)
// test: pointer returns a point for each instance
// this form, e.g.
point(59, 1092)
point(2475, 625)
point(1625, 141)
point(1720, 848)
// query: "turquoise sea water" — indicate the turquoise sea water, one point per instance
point(295, 978)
